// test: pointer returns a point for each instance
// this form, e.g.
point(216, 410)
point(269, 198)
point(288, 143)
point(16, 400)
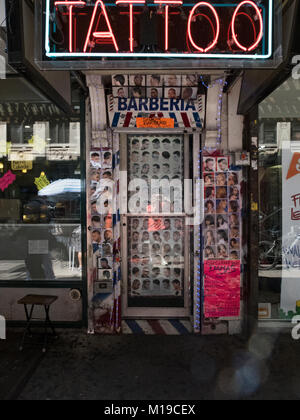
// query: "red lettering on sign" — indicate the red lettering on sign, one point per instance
point(100, 35)
point(217, 33)
point(203, 11)
point(70, 5)
point(167, 4)
point(130, 3)
point(260, 35)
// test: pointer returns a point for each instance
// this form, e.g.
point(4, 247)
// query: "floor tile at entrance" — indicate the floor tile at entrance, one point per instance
point(157, 326)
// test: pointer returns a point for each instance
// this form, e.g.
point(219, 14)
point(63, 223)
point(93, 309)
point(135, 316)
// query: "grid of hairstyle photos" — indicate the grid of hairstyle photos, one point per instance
point(101, 159)
point(156, 256)
point(101, 177)
point(154, 159)
point(155, 86)
point(222, 208)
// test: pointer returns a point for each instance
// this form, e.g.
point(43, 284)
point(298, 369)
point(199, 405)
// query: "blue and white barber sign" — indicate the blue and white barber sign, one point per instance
point(123, 112)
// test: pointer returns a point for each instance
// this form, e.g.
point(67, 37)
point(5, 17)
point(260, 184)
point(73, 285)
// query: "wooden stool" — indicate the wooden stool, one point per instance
point(37, 300)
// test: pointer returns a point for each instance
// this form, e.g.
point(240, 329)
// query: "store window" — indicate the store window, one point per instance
point(40, 194)
point(279, 203)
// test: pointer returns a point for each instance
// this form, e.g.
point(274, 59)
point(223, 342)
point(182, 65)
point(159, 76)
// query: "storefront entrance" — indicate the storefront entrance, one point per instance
point(155, 235)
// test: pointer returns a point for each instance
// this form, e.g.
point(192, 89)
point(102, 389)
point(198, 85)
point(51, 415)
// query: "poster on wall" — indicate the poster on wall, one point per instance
point(104, 275)
point(290, 289)
point(222, 288)
point(156, 256)
point(156, 251)
point(155, 86)
point(222, 230)
point(221, 238)
point(171, 97)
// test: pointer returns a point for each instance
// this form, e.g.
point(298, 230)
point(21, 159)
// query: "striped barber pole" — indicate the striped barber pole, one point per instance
point(182, 119)
point(117, 237)
point(157, 327)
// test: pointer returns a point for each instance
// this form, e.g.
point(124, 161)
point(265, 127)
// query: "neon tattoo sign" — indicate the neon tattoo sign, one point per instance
point(162, 29)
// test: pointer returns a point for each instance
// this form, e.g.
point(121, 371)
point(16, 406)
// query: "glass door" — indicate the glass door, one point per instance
point(155, 235)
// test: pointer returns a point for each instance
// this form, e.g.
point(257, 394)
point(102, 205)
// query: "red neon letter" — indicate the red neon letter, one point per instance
point(70, 5)
point(204, 3)
point(168, 3)
point(260, 35)
point(105, 35)
point(130, 3)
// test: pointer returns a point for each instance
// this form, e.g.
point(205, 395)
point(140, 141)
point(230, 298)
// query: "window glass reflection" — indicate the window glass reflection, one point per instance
point(279, 203)
point(40, 196)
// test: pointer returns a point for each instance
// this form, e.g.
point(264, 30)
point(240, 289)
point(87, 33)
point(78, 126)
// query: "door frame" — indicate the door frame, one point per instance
point(152, 312)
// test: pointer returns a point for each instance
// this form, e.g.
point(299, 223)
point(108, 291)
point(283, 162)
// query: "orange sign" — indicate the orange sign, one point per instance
point(155, 123)
point(294, 166)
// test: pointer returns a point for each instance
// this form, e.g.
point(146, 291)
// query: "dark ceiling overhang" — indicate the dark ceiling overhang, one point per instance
point(258, 84)
point(55, 86)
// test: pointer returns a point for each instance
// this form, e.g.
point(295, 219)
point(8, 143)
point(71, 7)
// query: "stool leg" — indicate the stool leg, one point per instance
point(48, 323)
point(27, 329)
point(46, 331)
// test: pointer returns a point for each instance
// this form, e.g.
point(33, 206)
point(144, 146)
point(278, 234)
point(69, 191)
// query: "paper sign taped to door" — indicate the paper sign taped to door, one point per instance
point(155, 122)
point(222, 280)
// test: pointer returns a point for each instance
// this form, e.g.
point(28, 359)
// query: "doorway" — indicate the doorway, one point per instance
point(155, 234)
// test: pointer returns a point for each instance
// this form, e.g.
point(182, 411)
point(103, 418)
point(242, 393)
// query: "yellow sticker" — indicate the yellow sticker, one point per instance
point(41, 182)
point(254, 206)
point(21, 165)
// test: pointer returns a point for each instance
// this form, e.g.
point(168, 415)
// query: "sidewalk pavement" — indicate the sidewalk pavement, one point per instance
point(134, 367)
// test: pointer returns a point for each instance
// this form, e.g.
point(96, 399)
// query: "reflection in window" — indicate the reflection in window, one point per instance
point(279, 233)
point(40, 192)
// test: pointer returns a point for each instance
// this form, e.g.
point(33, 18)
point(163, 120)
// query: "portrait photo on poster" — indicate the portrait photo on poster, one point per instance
point(138, 80)
point(209, 164)
point(172, 80)
point(120, 80)
point(222, 164)
point(105, 274)
point(120, 92)
point(105, 263)
point(188, 93)
point(190, 80)
point(95, 159)
point(172, 92)
point(106, 159)
point(137, 92)
point(154, 80)
point(154, 92)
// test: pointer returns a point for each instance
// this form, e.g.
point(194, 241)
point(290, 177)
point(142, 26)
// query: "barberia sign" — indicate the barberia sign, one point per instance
point(124, 29)
point(127, 112)
point(153, 105)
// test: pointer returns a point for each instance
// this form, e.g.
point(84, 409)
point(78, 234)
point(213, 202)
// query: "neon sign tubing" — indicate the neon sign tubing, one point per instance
point(160, 55)
point(130, 3)
point(259, 38)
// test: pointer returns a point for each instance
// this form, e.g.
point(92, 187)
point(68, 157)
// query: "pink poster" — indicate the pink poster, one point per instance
point(7, 179)
point(222, 288)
